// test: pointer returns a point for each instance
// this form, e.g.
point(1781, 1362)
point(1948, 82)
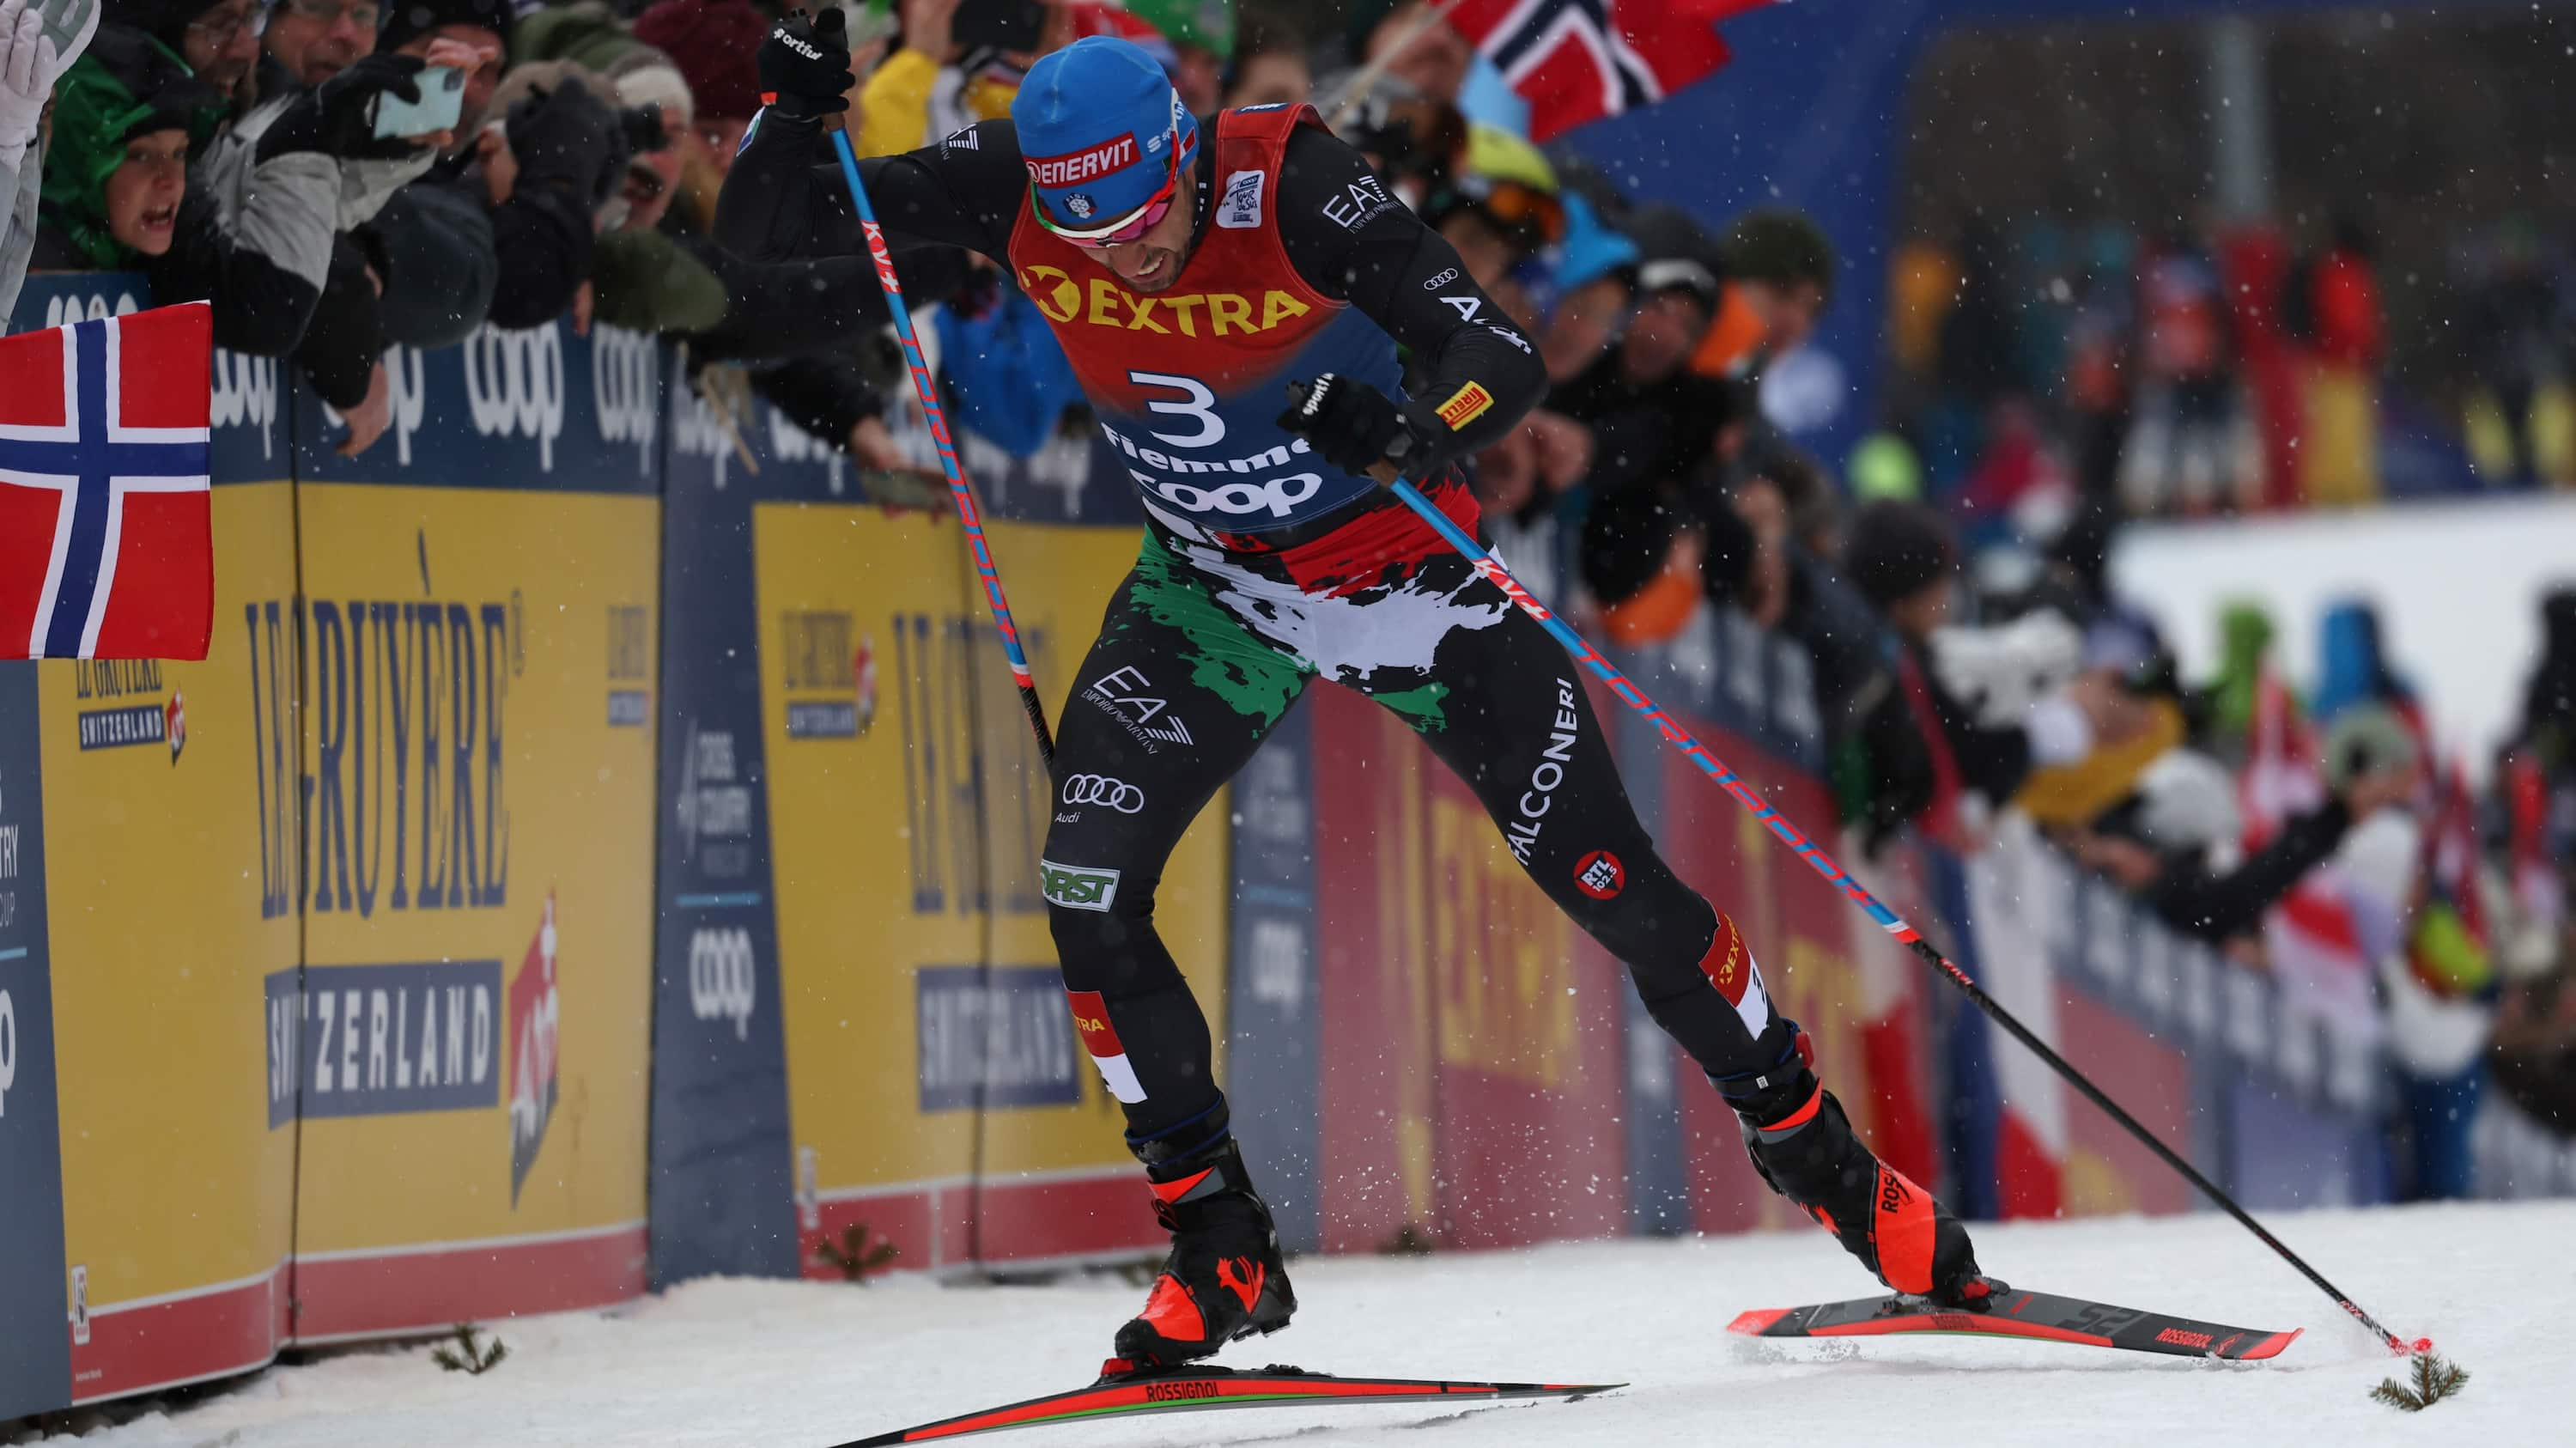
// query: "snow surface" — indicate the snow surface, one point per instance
point(790, 1363)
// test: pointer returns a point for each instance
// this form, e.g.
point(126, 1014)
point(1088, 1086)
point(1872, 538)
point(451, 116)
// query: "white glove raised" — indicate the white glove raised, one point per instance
point(39, 40)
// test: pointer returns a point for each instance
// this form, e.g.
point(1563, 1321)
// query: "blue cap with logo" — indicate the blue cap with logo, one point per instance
point(1100, 126)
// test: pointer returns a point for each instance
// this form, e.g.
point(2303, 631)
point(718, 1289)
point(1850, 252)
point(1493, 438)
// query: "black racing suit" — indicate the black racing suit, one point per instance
point(1214, 635)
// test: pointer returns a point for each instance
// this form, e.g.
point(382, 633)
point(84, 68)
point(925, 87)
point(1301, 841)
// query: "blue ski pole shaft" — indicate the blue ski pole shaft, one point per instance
point(926, 388)
point(1491, 569)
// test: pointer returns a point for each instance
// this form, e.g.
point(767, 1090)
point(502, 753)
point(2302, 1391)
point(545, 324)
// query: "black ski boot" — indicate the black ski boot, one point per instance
point(1802, 1144)
point(1223, 1280)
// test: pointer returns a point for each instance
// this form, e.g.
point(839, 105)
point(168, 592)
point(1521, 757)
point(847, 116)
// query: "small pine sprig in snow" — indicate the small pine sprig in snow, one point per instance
point(467, 1355)
point(2435, 1379)
point(853, 1255)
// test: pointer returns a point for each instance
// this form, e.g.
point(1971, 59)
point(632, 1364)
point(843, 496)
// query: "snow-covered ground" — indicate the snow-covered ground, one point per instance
point(793, 1364)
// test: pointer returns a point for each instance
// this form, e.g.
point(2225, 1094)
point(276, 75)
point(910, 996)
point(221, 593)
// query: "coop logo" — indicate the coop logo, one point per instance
point(114, 726)
point(382, 1040)
point(993, 1037)
point(1523, 831)
point(626, 390)
point(514, 385)
point(244, 395)
point(699, 429)
point(407, 394)
point(793, 445)
point(1188, 314)
point(724, 978)
point(536, 1018)
point(8, 1049)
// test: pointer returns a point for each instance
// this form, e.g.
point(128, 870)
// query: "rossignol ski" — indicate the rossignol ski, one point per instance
point(1191, 1389)
point(2019, 1314)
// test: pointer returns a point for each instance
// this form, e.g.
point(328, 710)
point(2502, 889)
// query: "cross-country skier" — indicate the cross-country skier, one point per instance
point(1192, 267)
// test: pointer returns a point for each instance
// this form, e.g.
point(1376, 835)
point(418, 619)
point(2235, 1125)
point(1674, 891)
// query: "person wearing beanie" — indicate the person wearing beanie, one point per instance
point(117, 194)
point(1647, 431)
point(483, 26)
point(1779, 272)
point(220, 42)
point(713, 42)
point(1231, 291)
point(117, 169)
point(1201, 33)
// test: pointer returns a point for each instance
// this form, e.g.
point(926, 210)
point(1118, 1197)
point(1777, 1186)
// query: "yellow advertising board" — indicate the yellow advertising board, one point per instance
point(160, 838)
point(922, 1000)
point(474, 1020)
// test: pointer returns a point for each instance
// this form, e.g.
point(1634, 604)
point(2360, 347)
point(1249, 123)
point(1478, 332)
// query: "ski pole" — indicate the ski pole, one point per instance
point(1492, 570)
point(927, 389)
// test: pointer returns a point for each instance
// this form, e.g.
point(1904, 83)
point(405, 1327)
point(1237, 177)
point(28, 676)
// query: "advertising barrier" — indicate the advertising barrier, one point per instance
point(477, 790)
point(861, 1038)
point(148, 807)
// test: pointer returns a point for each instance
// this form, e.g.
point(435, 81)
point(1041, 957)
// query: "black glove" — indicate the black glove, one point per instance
point(568, 139)
point(805, 65)
point(1350, 424)
point(338, 117)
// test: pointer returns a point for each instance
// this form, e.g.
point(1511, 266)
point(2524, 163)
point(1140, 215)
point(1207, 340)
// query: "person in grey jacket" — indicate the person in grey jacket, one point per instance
point(30, 63)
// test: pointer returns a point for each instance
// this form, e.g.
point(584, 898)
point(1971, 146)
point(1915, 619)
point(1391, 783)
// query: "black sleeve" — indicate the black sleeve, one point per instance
point(1352, 240)
point(2216, 908)
point(432, 244)
point(260, 308)
point(826, 396)
point(543, 241)
point(347, 336)
point(792, 308)
point(785, 196)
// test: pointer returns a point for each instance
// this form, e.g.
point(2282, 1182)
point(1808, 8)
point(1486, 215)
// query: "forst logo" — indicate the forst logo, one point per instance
point(535, 1018)
point(1077, 888)
point(1189, 314)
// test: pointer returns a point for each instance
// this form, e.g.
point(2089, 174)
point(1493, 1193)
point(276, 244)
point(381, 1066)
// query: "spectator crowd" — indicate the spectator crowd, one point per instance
point(239, 152)
point(2227, 368)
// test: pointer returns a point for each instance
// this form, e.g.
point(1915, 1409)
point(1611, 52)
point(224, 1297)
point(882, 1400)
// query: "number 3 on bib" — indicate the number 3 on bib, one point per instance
point(1200, 408)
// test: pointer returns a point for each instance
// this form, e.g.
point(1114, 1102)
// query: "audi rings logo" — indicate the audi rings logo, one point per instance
point(1118, 794)
point(626, 387)
point(514, 385)
point(722, 983)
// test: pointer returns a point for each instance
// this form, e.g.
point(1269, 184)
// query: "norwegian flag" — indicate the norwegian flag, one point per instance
point(106, 549)
point(2450, 866)
point(2281, 777)
point(1580, 60)
point(2311, 936)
